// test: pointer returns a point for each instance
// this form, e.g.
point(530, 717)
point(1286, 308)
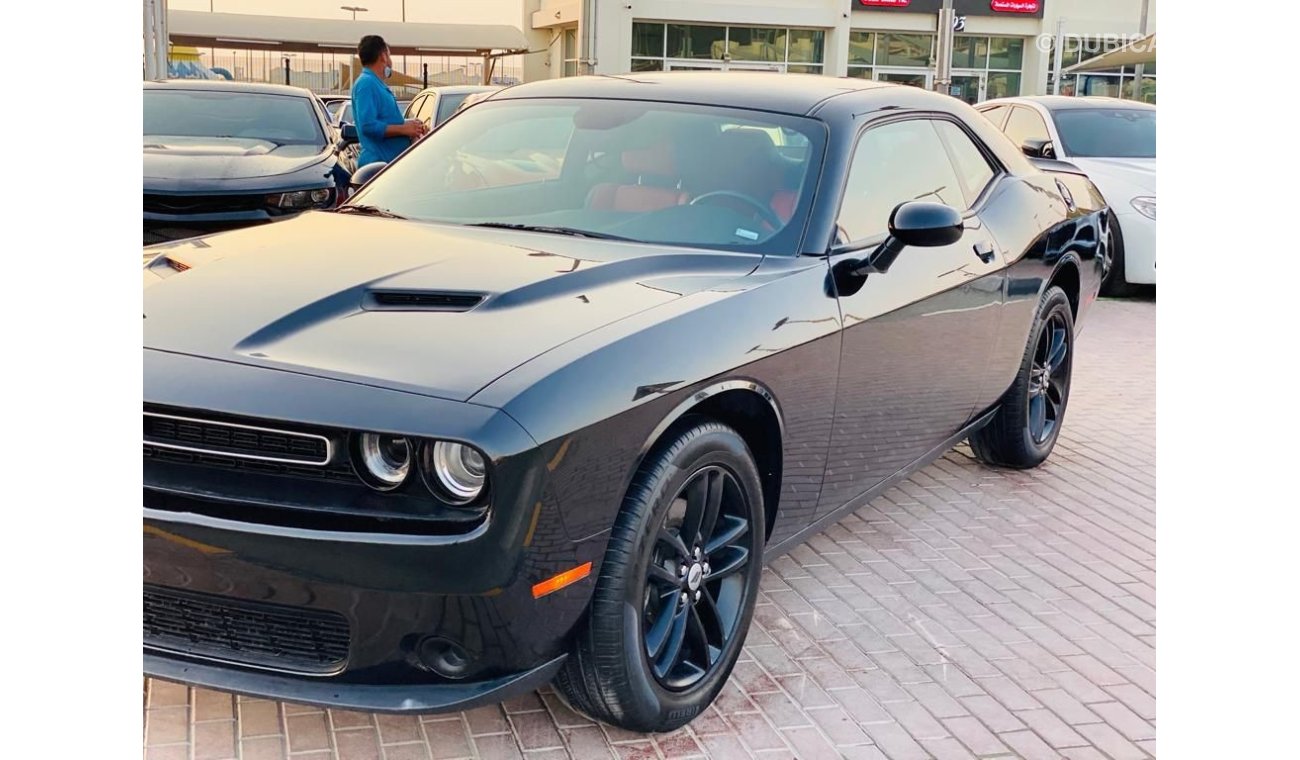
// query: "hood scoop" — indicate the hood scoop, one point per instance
point(420, 300)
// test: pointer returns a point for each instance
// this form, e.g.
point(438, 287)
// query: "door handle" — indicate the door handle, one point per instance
point(984, 249)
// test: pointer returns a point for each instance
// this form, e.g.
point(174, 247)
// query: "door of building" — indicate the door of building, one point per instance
point(968, 86)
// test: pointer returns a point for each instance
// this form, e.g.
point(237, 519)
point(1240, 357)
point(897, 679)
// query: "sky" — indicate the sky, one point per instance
point(430, 11)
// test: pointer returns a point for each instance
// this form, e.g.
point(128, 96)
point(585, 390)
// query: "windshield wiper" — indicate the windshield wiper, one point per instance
point(554, 230)
point(368, 210)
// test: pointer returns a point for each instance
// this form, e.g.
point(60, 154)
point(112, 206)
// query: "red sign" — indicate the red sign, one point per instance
point(1014, 6)
point(886, 3)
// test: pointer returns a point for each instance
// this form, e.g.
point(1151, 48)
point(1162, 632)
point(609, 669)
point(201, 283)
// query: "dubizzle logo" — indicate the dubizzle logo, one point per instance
point(1014, 6)
point(886, 3)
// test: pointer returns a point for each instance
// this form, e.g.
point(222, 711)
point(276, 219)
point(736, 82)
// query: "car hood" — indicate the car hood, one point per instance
point(1134, 175)
point(330, 295)
point(207, 158)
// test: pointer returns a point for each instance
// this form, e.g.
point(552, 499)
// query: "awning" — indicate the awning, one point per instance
point(1137, 51)
point(315, 35)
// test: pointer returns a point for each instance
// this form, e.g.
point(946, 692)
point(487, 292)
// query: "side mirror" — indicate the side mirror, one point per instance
point(364, 174)
point(919, 224)
point(1039, 149)
point(349, 133)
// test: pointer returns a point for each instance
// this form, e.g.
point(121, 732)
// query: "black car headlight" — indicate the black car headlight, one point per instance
point(454, 471)
point(382, 461)
point(319, 198)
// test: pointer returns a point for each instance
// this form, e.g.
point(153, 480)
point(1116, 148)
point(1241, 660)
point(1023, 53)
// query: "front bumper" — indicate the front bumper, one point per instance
point(444, 697)
point(1139, 235)
point(390, 590)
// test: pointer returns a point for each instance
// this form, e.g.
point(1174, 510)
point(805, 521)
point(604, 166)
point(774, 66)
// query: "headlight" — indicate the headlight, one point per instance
point(1145, 205)
point(302, 198)
point(454, 471)
point(382, 461)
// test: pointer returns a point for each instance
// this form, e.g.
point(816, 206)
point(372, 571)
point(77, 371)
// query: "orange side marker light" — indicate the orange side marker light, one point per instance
point(566, 578)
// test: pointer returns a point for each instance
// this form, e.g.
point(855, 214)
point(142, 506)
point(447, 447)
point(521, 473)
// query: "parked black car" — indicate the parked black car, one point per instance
point(220, 155)
point(540, 400)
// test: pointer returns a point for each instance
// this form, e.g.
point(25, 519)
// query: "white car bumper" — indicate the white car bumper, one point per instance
point(1139, 235)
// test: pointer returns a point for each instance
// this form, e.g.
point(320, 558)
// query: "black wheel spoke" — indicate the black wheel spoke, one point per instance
point(1037, 416)
point(662, 575)
point(673, 541)
point(657, 635)
point(728, 530)
point(700, 637)
point(728, 562)
point(672, 651)
point(710, 617)
point(703, 497)
point(1056, 353)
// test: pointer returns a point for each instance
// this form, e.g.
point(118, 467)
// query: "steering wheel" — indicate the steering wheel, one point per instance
point(763, 212)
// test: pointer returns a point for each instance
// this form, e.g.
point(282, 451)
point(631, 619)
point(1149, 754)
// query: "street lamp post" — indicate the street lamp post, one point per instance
point(943, 54)
point(354, 8)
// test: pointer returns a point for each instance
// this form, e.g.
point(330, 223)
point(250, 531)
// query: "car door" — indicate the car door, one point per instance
point(917, 338)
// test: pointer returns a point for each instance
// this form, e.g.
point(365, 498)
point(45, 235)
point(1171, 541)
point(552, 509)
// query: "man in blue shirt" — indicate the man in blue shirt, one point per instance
point(382, 131)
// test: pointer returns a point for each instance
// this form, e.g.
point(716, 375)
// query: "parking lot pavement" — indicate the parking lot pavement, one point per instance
point(969, 612)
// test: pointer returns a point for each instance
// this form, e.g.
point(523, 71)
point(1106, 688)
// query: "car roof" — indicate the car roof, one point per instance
point(1069, 102)
point(457, 89)
point(212, 85)
point(766, 91)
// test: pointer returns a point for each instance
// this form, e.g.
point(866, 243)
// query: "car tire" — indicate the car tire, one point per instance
point(1114, 284)
point(1025, 428)
point(623, 668)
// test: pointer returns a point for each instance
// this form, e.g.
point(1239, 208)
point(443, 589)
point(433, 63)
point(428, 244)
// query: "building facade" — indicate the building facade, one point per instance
point(1001, 47)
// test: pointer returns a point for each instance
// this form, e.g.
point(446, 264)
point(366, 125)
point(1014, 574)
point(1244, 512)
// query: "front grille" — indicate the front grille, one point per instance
point(338, 473)
point(253, 633)
point(201, 204)
point(235, 440)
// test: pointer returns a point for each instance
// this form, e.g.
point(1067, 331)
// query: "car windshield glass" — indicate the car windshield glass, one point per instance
point(1107, 132)
point(281, 119)
point(689, 175)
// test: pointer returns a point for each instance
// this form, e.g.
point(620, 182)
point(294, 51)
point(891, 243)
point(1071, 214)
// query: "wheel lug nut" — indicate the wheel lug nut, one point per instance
point(697, 596)
point(685, 598)
point(707, 569)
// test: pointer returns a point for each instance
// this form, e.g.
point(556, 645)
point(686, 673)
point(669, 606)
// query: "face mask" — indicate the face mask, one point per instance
point(388, 71)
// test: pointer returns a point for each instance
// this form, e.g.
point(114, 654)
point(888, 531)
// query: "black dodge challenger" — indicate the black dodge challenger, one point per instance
point(539, 402)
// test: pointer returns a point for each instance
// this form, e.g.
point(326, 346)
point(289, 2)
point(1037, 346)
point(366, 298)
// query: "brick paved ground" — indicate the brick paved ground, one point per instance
point(967, 613)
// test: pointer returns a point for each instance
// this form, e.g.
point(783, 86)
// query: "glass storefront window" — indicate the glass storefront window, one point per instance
point(756, 44)
point(647, 40)
point(1006, 52)
point(862, 48)
point(897, 49)
point(807, 45)
point(861, 72)
point(694, 41)
point(963, 53)
point(674, 47)
point(1002, 84)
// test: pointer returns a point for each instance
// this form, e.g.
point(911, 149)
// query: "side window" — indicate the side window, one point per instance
point(425, 111)
point(1025, 124)
point(972, 167)
point(996, 114)
point(892, 164)
point(414, 107)
point(447, 105)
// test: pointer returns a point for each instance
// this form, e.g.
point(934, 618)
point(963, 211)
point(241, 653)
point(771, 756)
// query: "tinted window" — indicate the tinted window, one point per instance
point(447, 105)
point(424, 111)
point(693, 175)
point(414, 107)
point(996, 114)
point(1107, 132)
point(972, 167)
point(895, 163)
point(347, 113)
point(282, 119)
point(1024, 125)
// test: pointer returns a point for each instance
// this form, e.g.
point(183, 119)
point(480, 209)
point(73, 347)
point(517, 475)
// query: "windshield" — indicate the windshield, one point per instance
point(1107, 132)
point(650, 172)
point(281, 119)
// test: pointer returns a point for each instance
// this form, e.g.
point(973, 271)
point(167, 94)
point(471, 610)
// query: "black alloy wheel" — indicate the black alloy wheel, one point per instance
point(677, 586)
point(1028, 421)
point(694, 586)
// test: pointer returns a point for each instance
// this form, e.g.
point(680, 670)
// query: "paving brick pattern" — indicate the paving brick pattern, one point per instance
point(967, 613)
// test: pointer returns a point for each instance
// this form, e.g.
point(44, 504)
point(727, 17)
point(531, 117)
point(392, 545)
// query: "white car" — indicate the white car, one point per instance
point(1114, 142)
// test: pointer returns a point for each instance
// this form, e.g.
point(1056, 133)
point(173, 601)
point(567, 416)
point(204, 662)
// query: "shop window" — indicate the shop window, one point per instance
point(692, 41)
point(647, 40)
point(660, 47)
point(862, 48)
point(571, 52)
point(1006, 52)
point(1002, 84)
point(896, 49)
point(756, 44)
point(644, 64)
point(964, 54)
point(807, 45)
